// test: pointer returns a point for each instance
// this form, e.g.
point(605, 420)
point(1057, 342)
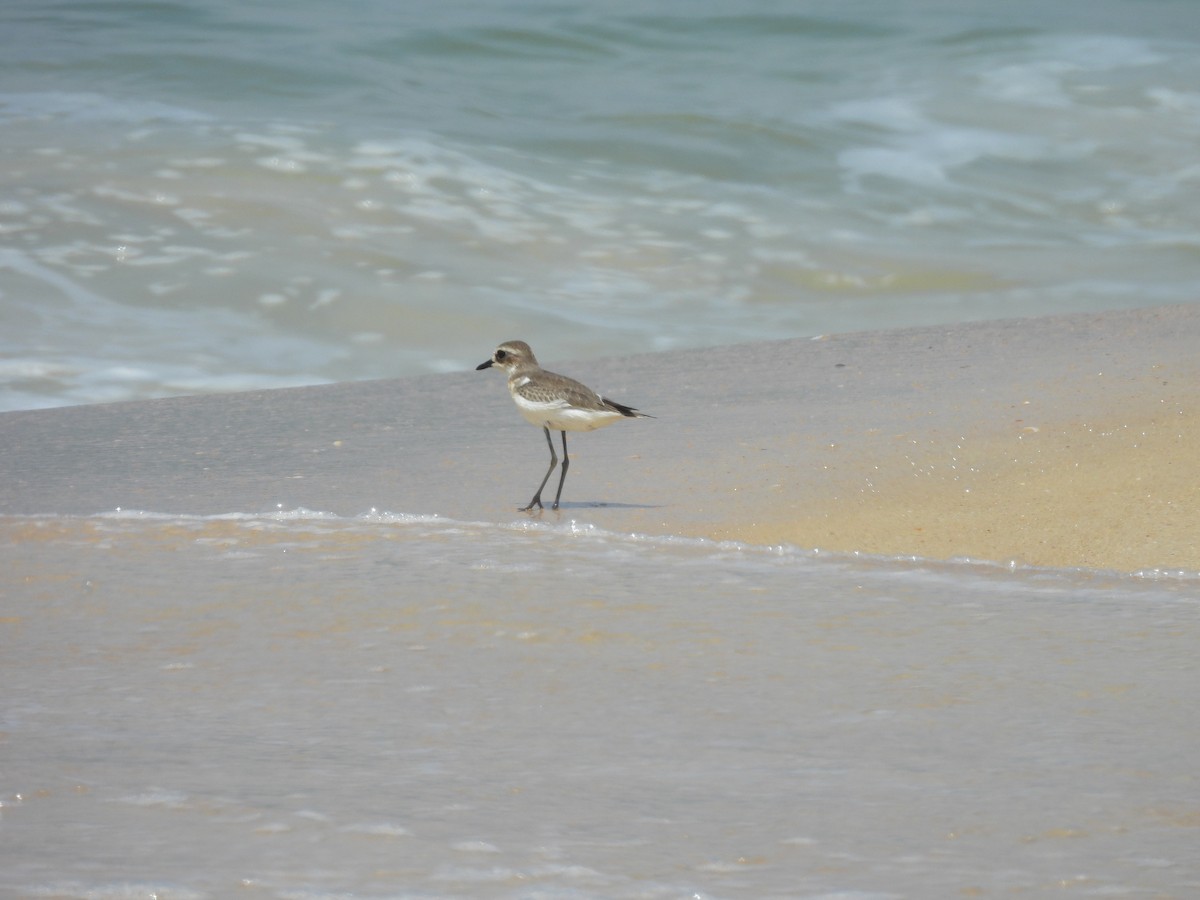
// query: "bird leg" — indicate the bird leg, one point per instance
point(537, 498)
point(566, 463)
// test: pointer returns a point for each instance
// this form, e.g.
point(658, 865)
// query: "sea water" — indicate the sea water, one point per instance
point(301, 705)
point(218, 196)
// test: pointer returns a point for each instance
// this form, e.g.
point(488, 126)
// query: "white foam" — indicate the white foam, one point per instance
point(169, 799)
point(378, 829)
point(287, 165)
point(94, 107)
point(922, 151)
point(132, 890)
point(1043, 80)
point(780, 555)
point(112, 192)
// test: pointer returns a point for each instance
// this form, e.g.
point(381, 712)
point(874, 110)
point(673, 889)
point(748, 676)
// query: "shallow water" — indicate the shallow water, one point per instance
point(219, 197)
point(308, 706)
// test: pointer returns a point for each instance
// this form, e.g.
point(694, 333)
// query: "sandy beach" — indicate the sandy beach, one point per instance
point(255, 686)
point(1114, 491)
point(1065, 441)
point(1117, 493)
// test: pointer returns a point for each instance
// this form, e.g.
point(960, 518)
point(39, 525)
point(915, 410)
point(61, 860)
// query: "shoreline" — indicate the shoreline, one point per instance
point(1060, 441)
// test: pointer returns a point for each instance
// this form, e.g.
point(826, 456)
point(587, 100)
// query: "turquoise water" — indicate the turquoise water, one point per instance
point(218, 196)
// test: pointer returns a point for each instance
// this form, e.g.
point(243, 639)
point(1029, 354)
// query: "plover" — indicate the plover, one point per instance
point(553, 401)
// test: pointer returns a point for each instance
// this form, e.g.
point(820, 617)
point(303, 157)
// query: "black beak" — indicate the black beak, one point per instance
point(484, 365)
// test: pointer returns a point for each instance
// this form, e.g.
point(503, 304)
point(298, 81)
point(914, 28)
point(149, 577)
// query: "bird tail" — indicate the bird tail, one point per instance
point(626, 410)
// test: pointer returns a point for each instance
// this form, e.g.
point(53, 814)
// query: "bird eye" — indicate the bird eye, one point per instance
point(500, 354)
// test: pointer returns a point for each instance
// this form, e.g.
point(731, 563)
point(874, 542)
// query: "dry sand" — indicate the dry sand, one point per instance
point(1065, 441)
point(1118, 492)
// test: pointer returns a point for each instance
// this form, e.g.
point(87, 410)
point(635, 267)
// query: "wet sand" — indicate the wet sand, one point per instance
point(1064, 441)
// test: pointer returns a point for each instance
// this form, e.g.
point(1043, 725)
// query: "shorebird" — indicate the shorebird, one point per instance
point(553, 401)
